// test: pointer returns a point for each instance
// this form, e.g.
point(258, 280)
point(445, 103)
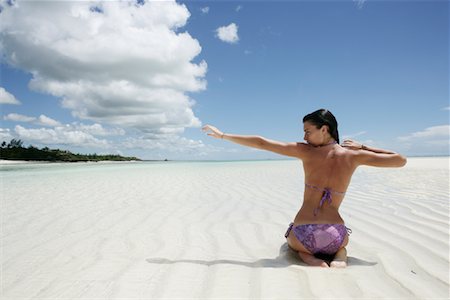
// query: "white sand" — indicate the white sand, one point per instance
point(215, 230)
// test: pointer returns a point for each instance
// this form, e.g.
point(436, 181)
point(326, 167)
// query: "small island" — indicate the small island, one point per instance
point(15, 150)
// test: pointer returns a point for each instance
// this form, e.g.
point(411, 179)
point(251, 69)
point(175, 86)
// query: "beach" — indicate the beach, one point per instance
point(215, 230)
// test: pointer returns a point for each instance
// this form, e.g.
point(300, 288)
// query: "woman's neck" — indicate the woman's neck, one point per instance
point(331, 141)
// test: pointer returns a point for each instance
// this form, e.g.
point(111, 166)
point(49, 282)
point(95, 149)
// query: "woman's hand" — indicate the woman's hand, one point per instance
point(213, 131)
point(352, 145)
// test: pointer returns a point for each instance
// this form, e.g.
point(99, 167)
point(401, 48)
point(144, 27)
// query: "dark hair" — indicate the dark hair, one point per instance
point(324, 117)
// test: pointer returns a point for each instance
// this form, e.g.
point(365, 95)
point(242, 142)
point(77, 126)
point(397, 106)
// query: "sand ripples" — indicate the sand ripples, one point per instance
point(215, 230)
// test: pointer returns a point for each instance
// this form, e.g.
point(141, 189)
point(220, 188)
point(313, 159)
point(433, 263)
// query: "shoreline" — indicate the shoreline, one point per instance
point(11, 161)
point(35, 162)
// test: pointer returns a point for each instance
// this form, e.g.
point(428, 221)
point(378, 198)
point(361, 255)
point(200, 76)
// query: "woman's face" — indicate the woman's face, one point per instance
point(313, 135)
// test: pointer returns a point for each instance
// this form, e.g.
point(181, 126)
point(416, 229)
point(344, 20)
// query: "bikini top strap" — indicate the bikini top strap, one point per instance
point(327, 190)
point(313, 187)
point(325, 197)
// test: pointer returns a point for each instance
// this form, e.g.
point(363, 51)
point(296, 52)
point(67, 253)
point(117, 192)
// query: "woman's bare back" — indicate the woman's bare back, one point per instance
point(327, 169)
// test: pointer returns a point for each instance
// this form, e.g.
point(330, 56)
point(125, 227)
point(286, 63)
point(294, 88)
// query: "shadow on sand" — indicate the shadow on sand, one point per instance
point(286, 258)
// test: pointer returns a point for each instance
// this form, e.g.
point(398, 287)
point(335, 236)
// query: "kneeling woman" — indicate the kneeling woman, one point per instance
point(328, 166)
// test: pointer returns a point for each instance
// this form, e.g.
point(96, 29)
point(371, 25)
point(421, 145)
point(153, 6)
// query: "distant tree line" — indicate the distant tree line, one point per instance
point(15, 150)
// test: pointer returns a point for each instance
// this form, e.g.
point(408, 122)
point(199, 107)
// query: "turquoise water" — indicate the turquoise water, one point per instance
point(7, 170)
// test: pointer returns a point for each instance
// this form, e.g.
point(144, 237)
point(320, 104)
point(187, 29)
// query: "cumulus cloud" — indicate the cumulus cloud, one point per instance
point(6, 97)
point(18, 118)
point(41, 120)
point(205, 9)
point(180, 146)
point(173, 144)
point(97, 129)
point(5, 134)
point(117, 62)
point(60, 136)
point(93, 129)
point(228, 34)
point(46, 121)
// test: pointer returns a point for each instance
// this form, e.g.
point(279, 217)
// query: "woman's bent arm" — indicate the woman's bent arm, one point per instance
point(376, 157)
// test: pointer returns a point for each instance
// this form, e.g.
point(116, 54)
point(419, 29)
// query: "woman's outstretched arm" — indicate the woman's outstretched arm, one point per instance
point(375, 157)
point(259, 142)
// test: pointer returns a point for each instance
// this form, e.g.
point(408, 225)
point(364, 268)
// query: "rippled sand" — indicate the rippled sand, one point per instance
point(215, 230)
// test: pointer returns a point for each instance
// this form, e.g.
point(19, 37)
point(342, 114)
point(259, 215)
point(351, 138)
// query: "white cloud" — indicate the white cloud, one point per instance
point(228, 33)
point(97, 129)
point(430, 133)
point(446, 108)
point(7, 98)
point(117, 62)
point(430, 141)
point(5, 134)
point(46, 121)
point(238, 8)
point(18, 118)
point(93, 129)
point(60, 136)
point(205, 9)
point(174, 146)
point(41, 120)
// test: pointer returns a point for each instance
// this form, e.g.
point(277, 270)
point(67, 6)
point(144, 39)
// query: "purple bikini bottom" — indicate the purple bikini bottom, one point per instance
point(320, 238)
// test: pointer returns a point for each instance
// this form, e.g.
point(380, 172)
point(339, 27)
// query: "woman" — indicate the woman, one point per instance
point(328, 166)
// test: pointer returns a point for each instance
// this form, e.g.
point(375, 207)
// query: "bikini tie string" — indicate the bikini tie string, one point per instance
point(326, 197)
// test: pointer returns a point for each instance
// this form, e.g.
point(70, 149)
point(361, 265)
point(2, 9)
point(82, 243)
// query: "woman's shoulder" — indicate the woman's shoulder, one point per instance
point(347, 154)
point(344, 151)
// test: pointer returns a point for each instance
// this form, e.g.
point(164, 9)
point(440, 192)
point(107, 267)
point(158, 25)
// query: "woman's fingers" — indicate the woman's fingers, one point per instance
point(349, 143)
point(209, 127)
point(211, 131)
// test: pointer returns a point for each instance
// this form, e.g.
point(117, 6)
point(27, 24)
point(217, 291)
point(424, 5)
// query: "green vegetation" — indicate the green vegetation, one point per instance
point(15, 151)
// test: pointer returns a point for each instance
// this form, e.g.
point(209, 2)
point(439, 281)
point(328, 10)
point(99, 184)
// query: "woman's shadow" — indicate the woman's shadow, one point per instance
point(286, 258)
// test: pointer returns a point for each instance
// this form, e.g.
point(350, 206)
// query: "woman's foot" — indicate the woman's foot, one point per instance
point(338, 264)
point(311, 260)
point(340, 259)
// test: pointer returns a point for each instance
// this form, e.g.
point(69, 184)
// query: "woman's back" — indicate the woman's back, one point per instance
point(328, 171)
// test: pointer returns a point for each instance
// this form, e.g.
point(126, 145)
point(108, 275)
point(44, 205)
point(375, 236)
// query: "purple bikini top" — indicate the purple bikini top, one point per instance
point(325, 197)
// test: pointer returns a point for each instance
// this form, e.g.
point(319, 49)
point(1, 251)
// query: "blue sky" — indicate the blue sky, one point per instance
point(141, 79)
